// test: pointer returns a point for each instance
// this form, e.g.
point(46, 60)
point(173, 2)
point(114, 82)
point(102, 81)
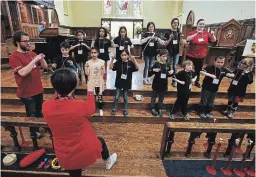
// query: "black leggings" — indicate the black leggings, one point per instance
point(104, 154)
point(198, 64)
point(100, 98)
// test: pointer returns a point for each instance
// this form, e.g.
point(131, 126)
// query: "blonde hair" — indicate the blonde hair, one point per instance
point(247, 63)
point(187, 62)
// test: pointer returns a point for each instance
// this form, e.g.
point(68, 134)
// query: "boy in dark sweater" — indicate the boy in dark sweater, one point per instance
point(213, 76)
point(160, 83)
point(184, 79)
point(64, 61)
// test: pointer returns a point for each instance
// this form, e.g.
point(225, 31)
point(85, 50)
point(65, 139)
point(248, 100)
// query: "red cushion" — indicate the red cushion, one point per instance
point(29, 159)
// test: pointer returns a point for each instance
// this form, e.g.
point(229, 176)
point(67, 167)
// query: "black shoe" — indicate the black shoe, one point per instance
point(185, 117)
point(197, 85)
point(154, 112)
point(206, 155)
point(113, 112)
point(125, 112)
point(39, 135)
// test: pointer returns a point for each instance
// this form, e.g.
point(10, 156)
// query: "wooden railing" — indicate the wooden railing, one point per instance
point(196, 128)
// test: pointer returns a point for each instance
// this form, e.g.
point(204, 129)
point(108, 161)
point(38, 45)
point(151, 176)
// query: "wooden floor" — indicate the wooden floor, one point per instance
point(136, 139)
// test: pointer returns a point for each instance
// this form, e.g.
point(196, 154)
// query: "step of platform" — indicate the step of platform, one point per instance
point(220, 103)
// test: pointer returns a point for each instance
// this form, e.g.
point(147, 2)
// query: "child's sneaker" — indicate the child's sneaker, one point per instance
point(145, 81)
point(149, 81)
point(101, 112)
point(161, 113)
point(125, 112)
point(154, 112)
point(111, 161)
point(113, 112)
point(185, 116)
point(209, 116)
point(171, 116)
point(203, 116)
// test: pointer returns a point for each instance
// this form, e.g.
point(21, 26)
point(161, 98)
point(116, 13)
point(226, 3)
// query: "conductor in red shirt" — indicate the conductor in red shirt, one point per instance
point(198, 47)
point(26, 65)
point(76, 145)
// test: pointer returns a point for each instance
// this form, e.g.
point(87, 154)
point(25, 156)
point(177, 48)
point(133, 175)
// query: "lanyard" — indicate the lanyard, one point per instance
point(122, 39)
point(190, 76)
point(215, 72)
point(123, 69)
point(237, 74)
point(103, 44)
point(63, 62)
point(162, 72)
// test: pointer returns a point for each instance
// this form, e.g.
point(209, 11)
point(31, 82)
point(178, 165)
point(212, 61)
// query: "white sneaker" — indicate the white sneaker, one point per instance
point(149, 81)
point(101, 112)
point(111, 161)
point(145, 81)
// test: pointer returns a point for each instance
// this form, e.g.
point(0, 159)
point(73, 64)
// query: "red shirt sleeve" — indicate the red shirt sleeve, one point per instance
point(15, 63)
point(90, 105)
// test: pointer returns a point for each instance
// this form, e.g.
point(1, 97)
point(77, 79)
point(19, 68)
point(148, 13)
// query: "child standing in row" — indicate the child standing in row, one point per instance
point(213, 76)
point(64, 61)
point(160, 83)
point(80, 49)
point(122, 42)
point(102, 43)
point(95, 70)
point(124, 69)
point(242, 77)
point(184, 79)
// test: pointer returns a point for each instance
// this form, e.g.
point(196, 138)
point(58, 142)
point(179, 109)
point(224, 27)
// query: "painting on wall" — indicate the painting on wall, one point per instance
point(107, 7)
point(122, 7)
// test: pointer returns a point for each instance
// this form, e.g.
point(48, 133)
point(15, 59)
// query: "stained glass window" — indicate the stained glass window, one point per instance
point(136, 8)
point(107, 7)
point(122, 7)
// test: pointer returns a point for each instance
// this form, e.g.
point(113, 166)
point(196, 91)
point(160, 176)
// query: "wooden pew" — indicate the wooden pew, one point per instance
point(10, 123)
point(171, 127)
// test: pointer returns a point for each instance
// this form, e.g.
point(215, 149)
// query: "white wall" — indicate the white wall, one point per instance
point(219, 11)
point(65, 20)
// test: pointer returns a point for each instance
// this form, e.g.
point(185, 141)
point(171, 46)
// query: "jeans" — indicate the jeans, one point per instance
point(104, 154)
point(175, 63)
point(33, 106)
point(81, 67)
point(149, 62)
point(116, 98)
point(182, 103)
point(198, 64)
point(207, 101)
point(160, 99)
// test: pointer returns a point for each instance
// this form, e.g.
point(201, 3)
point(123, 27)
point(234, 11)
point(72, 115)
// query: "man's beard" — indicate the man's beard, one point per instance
point(24, 48)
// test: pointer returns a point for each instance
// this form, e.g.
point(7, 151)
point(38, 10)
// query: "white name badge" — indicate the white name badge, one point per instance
point(234, 82)
point(163, 76)
point(102, 50)
point(121, 48)
point(124, 76)
point(215, 81)
point(151, 44)
point(190, 86)
point(175, 41)
point(80, 52)
point(200, 39)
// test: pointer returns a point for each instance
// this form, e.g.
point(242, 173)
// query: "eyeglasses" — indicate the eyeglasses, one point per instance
point(93, 52)
point(27, 41)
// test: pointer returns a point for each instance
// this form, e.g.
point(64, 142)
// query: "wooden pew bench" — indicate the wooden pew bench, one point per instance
point(9, 123)
point(196, 128)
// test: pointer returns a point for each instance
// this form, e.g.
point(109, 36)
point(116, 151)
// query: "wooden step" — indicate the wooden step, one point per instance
point(220, 103)
point(140, 116)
